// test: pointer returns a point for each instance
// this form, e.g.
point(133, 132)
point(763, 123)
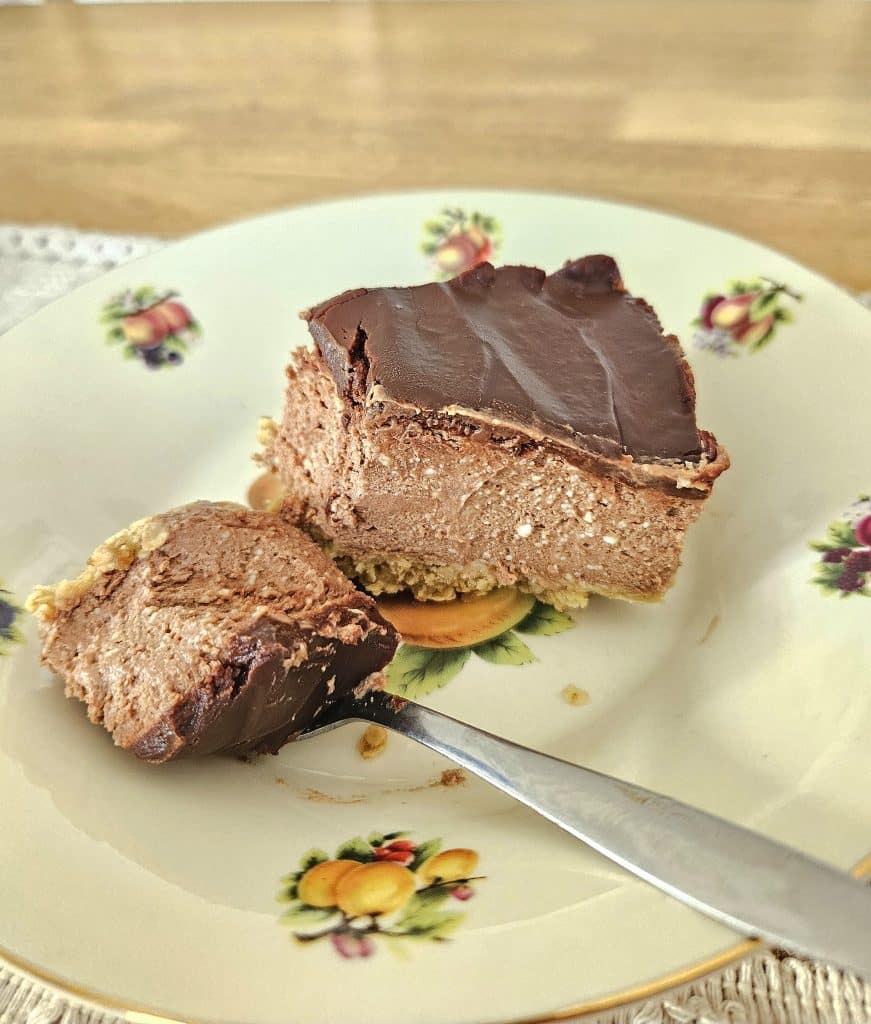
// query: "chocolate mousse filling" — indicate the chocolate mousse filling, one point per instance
point(507, 427)
point(209, 628)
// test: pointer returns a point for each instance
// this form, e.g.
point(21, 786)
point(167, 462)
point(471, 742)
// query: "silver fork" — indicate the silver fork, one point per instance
point(753, 884)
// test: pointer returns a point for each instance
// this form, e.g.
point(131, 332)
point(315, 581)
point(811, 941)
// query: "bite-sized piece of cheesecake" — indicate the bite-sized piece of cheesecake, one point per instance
point(504, 428)
point(209, 628)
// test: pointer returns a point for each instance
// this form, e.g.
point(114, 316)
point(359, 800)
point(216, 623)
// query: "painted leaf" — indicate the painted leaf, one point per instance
point(424, 851)
point(763, 341)
point(420, 915)
point(355, 849)
point(446, 925)
point(842, 535)
point(312, 857)
point(762, 305)
point(829, 572)
point(299, 913)
point(738, 287)
point(505, 649)
point(431, 896)
point(429, 923)
point(417, 671)
point(289, 893)
point(545, 620)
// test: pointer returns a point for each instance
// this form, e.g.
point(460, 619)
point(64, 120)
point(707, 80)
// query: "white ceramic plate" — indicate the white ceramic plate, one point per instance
point(745, 692)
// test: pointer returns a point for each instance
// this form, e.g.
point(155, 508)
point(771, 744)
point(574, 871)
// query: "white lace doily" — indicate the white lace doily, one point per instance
point(38, 264)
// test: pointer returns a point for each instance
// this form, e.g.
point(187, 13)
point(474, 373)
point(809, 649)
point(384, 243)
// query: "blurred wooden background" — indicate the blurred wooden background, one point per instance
point(164, 119)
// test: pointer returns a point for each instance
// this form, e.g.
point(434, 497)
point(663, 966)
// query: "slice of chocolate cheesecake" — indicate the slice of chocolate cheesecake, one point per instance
point(505, 428)
point(209, 628)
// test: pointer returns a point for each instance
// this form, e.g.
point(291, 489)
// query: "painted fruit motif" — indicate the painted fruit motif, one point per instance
point(439, 637)
point(9, 612)
point(743, 318)
point(150, 326)
point(470, 619)
point(386, 886)
point(457, 241)
point(844, 565)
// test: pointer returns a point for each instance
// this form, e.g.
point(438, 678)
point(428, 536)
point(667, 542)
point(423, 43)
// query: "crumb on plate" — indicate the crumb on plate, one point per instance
point(575, 696)
point(373, 742)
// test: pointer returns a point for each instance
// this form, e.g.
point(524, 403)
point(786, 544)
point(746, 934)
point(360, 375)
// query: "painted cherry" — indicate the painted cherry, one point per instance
point(707, 309)
point(402, 844)
point(403, 857)
point(174, 315)
point(863, 531)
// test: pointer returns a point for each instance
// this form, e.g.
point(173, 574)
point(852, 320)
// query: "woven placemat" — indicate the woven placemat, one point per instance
point(38, 264)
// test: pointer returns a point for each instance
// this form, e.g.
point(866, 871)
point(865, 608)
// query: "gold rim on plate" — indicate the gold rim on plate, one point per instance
point(147, 1015)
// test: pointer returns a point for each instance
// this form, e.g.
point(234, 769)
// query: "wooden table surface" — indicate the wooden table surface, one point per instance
point(164, 119)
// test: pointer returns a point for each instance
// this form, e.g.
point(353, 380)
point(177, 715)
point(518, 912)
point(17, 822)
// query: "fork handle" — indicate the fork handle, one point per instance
point(753, 884)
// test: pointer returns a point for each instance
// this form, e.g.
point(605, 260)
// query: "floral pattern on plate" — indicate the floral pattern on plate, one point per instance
point(384, 888)
point(441, 636)
point(150, 325)
point(9, 612)
point(845, 555)
point(457, 241)
point(744, 317)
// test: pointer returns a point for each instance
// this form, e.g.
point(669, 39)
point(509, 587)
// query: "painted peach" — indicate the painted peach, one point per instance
point(318, 886)
point(455, 255)
point(463, 250)
point(379, 887)
point(173, 314)
point(448, 866)
point(144, 330)
point(470, 619)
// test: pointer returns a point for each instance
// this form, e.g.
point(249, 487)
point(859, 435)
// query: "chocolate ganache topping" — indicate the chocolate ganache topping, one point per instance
point(570, 356)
